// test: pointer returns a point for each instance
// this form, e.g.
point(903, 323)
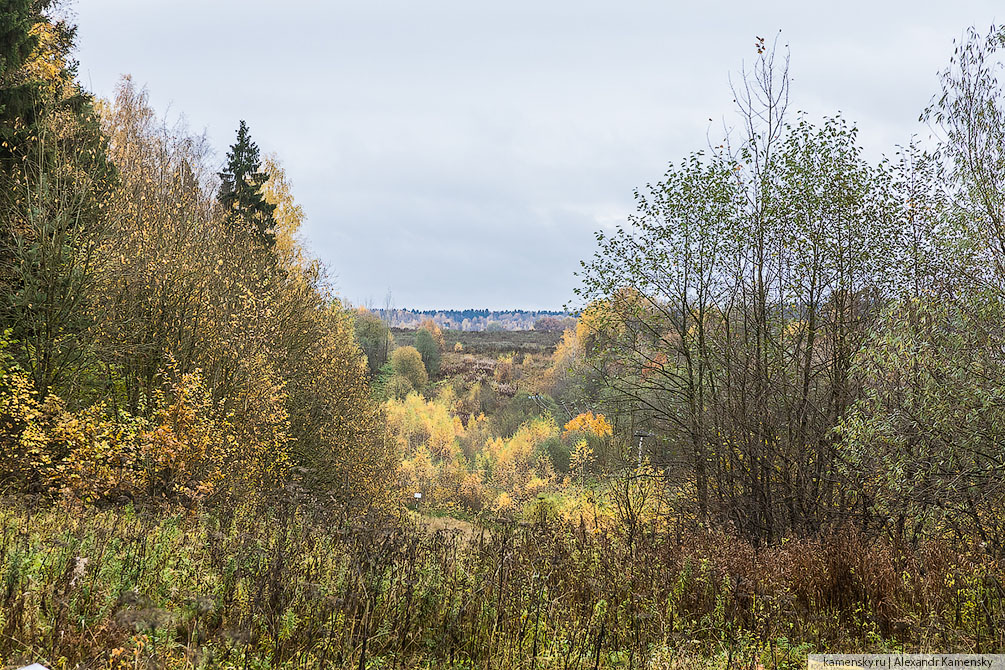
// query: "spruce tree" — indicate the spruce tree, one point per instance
point(241, 190)
point(16, 44)
point(17, 88)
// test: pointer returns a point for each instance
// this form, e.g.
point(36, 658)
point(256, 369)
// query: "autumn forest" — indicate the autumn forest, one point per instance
point(769, 422)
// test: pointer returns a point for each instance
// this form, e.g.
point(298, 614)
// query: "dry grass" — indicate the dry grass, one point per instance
point(285, 587)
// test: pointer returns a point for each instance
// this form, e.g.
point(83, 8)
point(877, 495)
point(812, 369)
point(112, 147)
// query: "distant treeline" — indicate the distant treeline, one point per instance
point(479, 319)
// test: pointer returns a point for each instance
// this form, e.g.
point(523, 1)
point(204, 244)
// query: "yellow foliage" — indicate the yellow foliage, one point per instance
point(568, 347)
point(397, 388)
point(407, 363)
point(589, 423)
point(566, 358)
point(472, 492)
point(608, 317)
point(418, 472)
point(435, 331)
point(262, 428)
point(425, 436)
point(447, 397)
point(103, 458)
point(503, 371)
point(597, 317)
point(513, 460)
point(504, 504)
point(187, 450)
point(475, 435)
point(582, 455)
point(176, 290)
point(415, 423)
point(23, 444)
point(289, 216)
point(48, 62)
point(456, 464)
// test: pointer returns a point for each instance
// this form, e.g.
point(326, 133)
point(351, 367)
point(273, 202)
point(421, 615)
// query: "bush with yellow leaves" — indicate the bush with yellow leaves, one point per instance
point(588, 422)
point(94, 457)
point(186, 450)
point(517, 464)
point(425, 436)
point(589, 438)
point(25, 459)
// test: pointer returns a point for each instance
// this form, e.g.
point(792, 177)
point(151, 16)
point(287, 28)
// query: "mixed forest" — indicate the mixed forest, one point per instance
point(477, 319)
point(770, 423)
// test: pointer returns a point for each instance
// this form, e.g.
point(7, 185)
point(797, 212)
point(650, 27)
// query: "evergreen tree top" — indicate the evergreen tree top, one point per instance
point(241, 189)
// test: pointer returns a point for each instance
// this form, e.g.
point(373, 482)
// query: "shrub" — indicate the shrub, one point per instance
point(374, 337)
point(558, 452)
point(398, 388)
point(503, 372)
point(185, 451)
point(430, 353)
point(407, 363)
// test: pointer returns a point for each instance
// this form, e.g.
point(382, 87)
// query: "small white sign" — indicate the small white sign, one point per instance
point(900, 661)
point(418, 496)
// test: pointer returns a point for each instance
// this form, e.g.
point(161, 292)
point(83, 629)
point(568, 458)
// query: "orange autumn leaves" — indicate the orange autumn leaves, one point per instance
point(588, 422)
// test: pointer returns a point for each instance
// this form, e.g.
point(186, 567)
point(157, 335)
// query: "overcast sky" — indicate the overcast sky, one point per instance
point(461, 154)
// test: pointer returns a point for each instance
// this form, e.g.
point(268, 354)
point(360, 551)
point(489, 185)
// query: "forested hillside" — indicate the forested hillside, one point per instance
point(772, 427)
point(477, 319)
point(164, 335)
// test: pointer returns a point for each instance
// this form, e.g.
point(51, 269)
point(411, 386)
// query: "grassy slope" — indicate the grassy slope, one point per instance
point(119, 589)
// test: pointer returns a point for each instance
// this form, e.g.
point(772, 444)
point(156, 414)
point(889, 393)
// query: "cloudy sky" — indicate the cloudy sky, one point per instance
point(461, 154)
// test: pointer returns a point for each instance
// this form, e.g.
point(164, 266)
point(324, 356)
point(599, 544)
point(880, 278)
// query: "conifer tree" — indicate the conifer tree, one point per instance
point(16, 45)
point(54, 179)
point(241, 190)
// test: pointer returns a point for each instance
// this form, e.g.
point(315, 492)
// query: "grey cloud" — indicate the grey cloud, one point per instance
point(462, 154)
